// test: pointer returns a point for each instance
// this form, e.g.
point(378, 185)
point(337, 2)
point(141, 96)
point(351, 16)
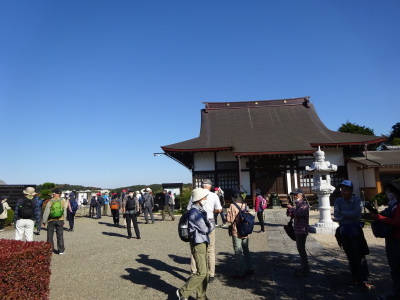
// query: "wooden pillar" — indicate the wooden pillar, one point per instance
point(379, 188)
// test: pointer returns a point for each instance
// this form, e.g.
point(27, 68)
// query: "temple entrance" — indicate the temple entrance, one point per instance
point(270, 181)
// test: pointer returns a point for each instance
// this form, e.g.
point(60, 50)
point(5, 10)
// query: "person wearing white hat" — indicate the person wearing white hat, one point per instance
point(148, 205)
point(199, 228)
point(212, 206)
point(347, 212)
point(26, 213)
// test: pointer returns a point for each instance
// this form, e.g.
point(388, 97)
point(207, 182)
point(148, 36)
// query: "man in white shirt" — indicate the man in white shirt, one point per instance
point(213, 205)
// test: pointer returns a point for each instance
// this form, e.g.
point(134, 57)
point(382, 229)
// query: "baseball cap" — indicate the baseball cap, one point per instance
point(347, 183)
point(206, 181)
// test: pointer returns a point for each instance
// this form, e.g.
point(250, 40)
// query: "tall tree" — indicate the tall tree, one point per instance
point(395, 134)
point(354, 128)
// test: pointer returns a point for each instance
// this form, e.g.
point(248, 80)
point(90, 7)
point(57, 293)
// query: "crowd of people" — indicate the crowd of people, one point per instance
point(204, 207)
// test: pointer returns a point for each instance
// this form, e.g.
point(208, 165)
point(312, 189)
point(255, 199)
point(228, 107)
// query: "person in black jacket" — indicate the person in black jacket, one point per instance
point(131, 210)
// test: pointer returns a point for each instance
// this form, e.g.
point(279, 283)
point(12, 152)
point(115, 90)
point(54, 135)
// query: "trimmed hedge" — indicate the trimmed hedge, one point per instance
point(10, 218)
point(24, 269)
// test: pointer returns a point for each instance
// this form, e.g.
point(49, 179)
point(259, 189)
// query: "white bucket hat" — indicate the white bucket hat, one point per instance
point(198, 194)
point(148, 190)
point(29, 191)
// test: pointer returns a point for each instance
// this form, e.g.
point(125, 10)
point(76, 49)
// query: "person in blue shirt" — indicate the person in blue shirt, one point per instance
point(199, 227)
point(347, 212)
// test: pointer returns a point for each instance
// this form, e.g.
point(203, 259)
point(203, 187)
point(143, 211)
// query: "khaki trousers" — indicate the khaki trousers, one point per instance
point(210, 257)
point(197, 282)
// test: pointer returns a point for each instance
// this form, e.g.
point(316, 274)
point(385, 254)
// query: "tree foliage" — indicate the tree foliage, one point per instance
point(354, 128)
point(395, 133)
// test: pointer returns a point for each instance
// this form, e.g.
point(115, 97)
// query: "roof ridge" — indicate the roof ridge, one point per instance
point(258, 103)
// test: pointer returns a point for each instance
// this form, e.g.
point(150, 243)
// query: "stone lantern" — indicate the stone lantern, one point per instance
point(321, 170)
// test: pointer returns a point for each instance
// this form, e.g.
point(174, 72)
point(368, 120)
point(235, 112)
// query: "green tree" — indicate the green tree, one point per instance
point(45, 190)
point(395, 133)
point(354, 128)
point(185, 197)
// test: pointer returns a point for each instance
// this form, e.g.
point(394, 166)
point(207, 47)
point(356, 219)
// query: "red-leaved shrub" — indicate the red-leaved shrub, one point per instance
point(24, 269)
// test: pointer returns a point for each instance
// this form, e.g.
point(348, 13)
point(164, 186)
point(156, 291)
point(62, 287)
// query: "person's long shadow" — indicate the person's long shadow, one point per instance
point(161, 266)
point(143, 276)
point(107, 224)
point(179, 259)
point(114, 234)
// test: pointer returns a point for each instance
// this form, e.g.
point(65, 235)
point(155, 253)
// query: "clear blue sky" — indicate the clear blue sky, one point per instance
point(89, 90)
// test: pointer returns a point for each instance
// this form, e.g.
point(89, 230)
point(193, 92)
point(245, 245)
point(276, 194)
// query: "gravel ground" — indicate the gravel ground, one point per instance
point(101, 263)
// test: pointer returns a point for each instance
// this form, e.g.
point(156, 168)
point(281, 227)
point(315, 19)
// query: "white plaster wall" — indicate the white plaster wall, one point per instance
point(204, 161)
point(245, 181)
point(334, 156)
point(354, 177)
point(367, 178)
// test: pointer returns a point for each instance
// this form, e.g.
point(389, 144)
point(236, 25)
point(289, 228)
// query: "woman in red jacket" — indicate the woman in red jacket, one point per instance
point(391, 215)
point(259, 206)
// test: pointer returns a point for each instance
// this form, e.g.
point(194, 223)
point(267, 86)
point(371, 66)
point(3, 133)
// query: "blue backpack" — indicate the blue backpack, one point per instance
point(245, 222)
point(74, 205)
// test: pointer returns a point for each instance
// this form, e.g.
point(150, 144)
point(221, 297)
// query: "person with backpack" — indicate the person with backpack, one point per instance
point(54, 215)
point(99, 204)
point(199, 228)
point(300, 215)
point(115, 205)
point(148, 205)
point(26, 213)
point(131, 210)
point(71, 211)
point(211, 206)
point(4, 207)
point(167, 208)
point(93, 205)
point(259, 206)
point(106, 204)
point(240, 241)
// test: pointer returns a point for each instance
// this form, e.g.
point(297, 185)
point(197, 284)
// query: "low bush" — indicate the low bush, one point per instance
point(10, 217)
point(24, 269)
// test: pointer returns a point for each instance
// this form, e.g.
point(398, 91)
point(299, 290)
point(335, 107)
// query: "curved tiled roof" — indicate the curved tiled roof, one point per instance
point(265, 127)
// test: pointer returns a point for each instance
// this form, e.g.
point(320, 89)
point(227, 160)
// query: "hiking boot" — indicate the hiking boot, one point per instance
point(179, 295)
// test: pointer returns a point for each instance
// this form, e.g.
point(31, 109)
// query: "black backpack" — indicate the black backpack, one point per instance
point(245, 222)
point(26, 209)
point(130, 204)
point(1, 208)
point(183, 227)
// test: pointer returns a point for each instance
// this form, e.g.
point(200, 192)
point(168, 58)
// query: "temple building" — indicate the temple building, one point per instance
point(267, 145)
